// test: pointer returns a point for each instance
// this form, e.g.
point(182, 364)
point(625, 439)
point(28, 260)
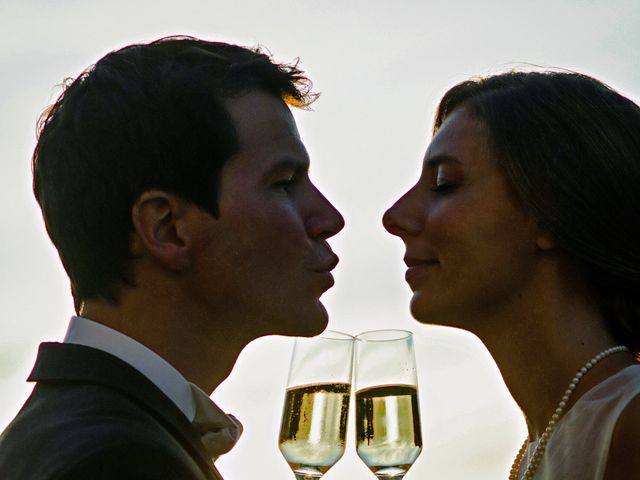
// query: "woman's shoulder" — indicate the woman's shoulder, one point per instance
point(624, 452)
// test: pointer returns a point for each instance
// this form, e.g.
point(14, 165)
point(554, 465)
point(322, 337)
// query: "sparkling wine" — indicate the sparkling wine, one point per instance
point(388, 435)
point(313, 430)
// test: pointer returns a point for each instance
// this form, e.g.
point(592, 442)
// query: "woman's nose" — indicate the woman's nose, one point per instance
point(401, 218)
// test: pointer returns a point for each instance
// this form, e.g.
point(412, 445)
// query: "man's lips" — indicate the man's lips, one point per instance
point(324, 271)
point(328, 264)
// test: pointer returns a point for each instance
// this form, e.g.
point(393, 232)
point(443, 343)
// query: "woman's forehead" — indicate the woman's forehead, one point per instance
point(461, 138)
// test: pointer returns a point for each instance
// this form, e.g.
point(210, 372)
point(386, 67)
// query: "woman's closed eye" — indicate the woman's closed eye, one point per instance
point(443, 185)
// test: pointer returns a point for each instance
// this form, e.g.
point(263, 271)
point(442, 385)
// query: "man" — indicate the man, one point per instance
point(174, 184)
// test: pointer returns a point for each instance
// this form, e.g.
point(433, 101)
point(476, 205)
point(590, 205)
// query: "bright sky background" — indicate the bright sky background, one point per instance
point(381, 67)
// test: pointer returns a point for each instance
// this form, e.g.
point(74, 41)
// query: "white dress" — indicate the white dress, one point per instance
point(579, 447)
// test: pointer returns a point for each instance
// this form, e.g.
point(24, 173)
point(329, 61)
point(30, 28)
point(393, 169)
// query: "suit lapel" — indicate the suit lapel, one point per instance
point(78, 363)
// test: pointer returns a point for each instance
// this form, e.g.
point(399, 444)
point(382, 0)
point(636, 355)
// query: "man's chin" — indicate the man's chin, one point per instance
point(310, 324)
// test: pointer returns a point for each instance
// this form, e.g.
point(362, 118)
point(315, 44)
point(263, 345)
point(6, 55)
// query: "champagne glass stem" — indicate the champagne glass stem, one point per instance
point(395, 476)
point(302, 476)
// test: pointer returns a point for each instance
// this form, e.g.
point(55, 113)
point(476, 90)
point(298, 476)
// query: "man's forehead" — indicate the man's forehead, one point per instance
point(257, 113)
point(267, 132)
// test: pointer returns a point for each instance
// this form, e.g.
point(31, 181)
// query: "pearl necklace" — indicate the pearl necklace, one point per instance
point(546, 435)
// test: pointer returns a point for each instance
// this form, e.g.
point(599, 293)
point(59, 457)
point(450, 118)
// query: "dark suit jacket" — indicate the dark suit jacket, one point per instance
point(92, 416)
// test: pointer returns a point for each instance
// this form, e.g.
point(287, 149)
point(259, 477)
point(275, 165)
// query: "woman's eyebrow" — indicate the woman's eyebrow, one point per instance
point(437, 160)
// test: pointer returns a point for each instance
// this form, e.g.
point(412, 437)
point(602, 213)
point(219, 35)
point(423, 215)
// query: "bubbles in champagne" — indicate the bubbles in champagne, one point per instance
point(388, 434)
point(314, 423)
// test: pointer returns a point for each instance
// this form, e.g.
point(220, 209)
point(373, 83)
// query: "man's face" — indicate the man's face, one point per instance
point(265, 260)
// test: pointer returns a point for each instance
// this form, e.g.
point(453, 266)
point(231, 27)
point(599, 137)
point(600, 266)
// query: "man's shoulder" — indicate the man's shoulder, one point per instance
point(84, 426)
point(131, 459)
point(100, 457)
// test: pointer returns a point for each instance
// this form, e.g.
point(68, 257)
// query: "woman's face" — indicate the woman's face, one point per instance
point(470, 246)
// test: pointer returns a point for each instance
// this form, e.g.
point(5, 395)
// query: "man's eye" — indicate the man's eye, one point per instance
point(285, 185)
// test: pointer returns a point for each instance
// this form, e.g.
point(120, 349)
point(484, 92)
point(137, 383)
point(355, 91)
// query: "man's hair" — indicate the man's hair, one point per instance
point(570, 146)
point(147, 116)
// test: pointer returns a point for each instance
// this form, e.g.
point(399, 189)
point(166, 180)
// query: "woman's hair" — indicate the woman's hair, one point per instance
point(570, 146)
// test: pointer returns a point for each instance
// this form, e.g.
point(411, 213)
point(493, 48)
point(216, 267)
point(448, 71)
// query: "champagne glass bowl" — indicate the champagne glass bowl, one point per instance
point(316, 406)
point(388, 431)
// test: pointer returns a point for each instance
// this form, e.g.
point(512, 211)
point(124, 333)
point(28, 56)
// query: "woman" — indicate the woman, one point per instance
point(524, 228)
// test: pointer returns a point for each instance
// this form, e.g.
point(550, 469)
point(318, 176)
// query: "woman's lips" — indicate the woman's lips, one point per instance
point(418, 268)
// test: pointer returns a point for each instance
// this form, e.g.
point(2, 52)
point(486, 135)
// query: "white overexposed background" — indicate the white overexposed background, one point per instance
point(381, 67)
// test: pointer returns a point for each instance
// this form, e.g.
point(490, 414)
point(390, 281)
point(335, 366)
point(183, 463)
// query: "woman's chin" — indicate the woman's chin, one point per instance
point(421, 308)
point(426, 311)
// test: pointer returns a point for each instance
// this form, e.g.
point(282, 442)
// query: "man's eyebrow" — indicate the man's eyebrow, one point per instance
point(437, 160)
point(287, 164)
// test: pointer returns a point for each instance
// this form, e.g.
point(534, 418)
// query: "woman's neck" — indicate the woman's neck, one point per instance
point(543, 347)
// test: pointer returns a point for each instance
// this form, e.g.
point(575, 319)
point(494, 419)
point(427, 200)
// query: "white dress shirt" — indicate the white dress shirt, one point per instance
point(83, 331)
point(219, 431)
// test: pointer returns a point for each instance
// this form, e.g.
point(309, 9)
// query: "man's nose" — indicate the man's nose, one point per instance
point(327, 220)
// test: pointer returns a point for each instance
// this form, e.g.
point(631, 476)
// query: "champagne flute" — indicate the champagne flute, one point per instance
point(314, 417)
point(388, 433)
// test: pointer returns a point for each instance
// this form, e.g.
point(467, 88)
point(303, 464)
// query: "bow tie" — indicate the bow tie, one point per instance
point(219, 431)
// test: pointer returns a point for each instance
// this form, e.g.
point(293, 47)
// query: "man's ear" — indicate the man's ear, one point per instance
point(159, 223)
point(545, 243)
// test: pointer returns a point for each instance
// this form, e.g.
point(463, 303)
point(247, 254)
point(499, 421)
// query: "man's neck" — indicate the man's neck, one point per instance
point(202, 349)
